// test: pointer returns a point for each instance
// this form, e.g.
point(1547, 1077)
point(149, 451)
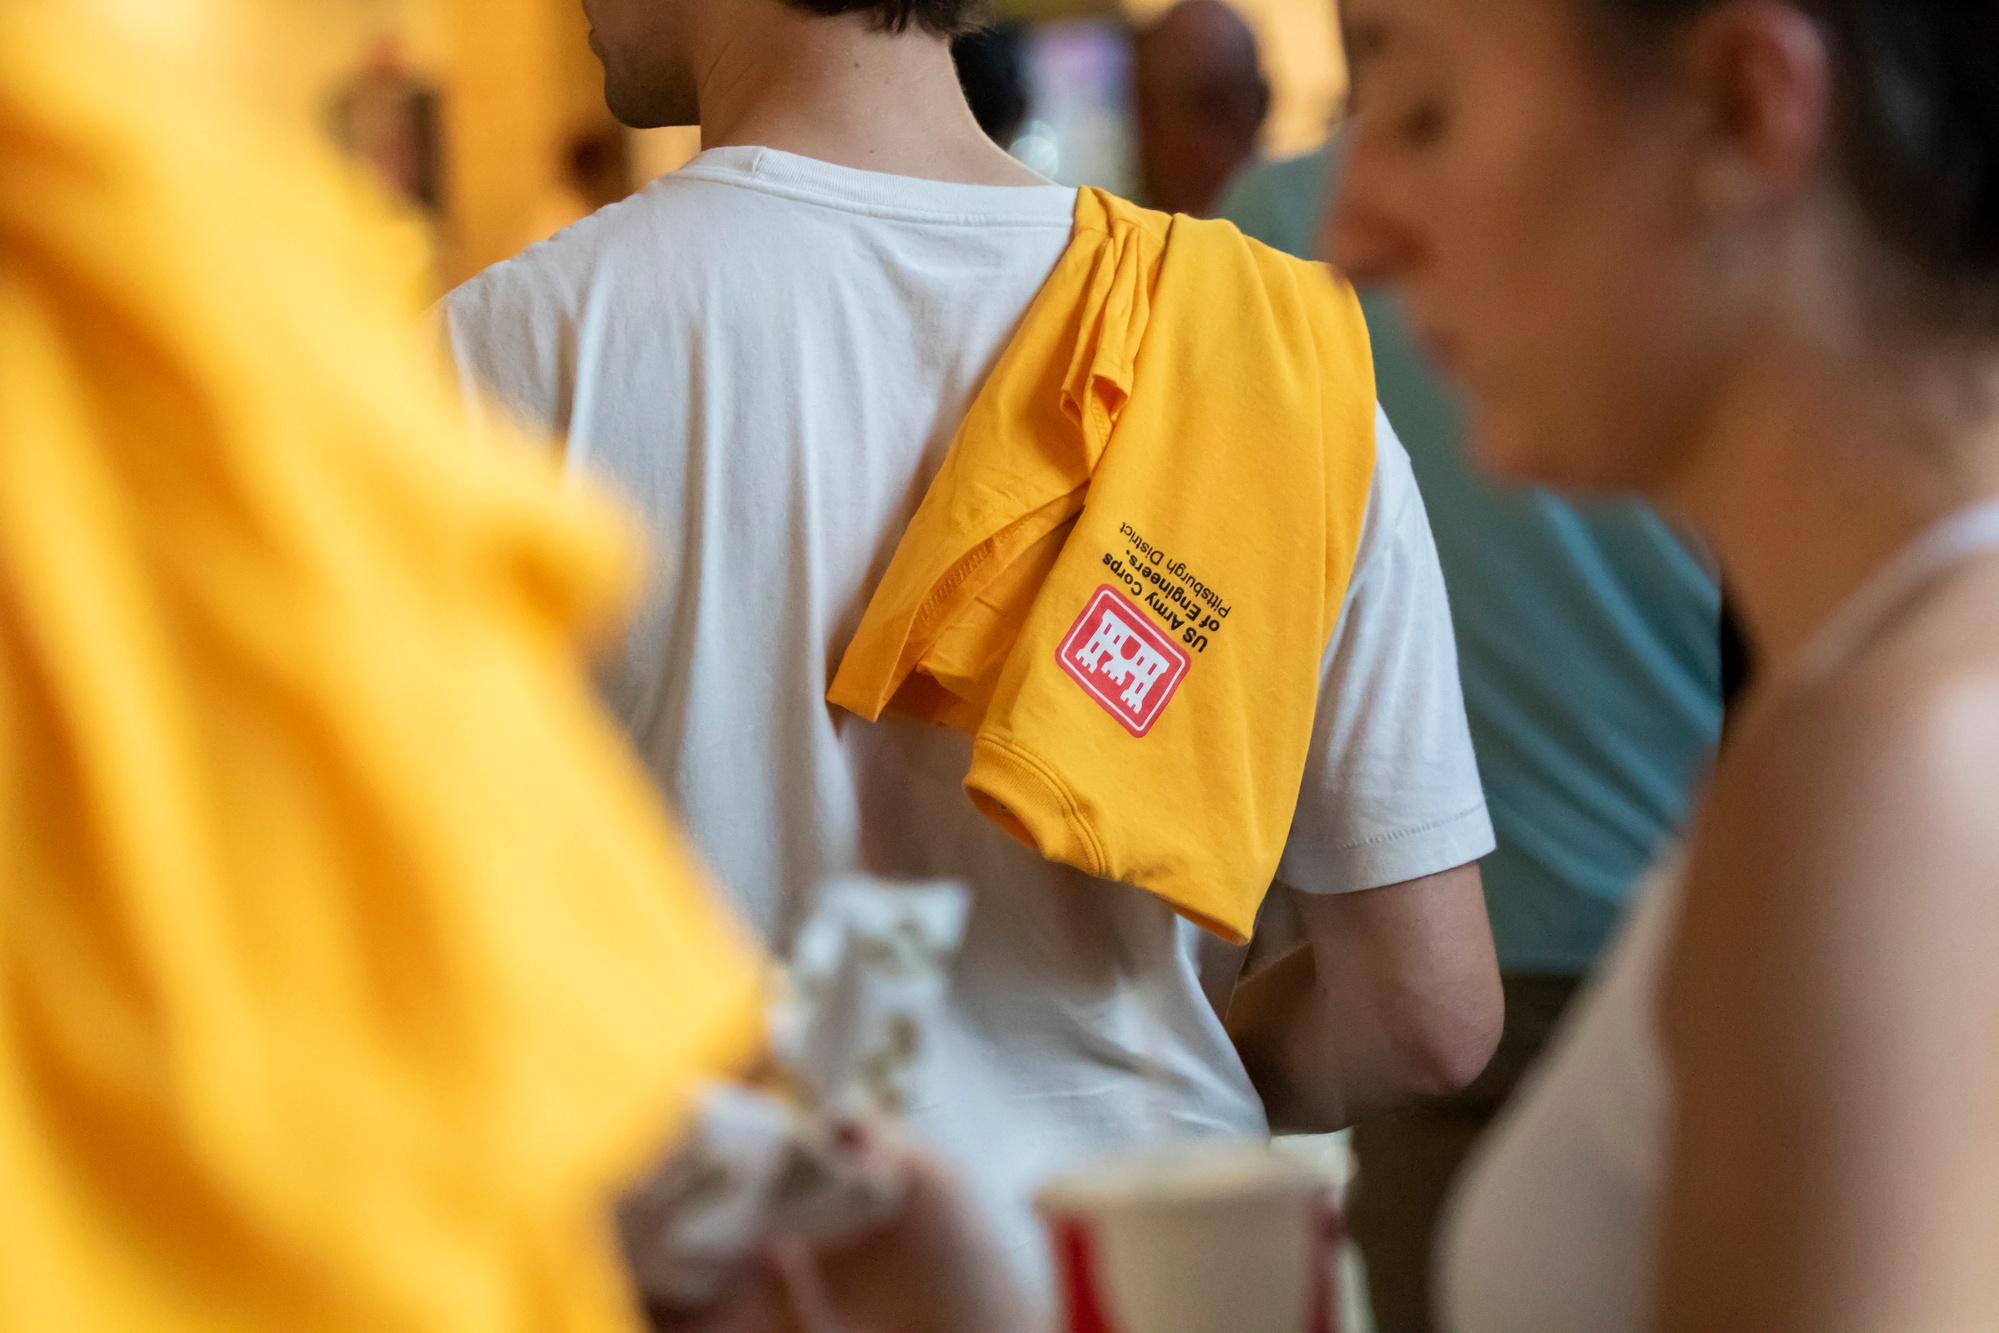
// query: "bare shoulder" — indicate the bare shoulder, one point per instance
point(1896, 754)
point(1830, 1009)
point(1848, 853)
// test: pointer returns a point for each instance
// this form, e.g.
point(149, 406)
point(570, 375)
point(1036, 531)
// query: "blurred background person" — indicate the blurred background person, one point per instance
point(596, 173)
point(599, 166)
point(389, 118)
point(1199, 103)
point(1743, 258)
point(992, 69)
point(1589, 642)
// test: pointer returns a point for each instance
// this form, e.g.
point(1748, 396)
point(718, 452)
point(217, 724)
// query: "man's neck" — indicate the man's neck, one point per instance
point(839, 91)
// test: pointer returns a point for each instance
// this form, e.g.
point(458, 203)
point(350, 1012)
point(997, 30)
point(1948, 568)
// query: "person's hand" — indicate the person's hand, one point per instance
point(935, 1267)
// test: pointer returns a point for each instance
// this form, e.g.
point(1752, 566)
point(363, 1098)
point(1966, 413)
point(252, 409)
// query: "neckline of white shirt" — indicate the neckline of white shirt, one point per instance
point(880, 194)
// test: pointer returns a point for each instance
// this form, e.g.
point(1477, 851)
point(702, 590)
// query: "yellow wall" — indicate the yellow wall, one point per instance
point(500, 64)
point(522, 85)
point(285, 56)
point(520, 82)
point(502, 121)
point(656, 152)
point(517, 76)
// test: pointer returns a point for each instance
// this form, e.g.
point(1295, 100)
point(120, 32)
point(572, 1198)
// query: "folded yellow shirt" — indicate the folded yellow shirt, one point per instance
point(1125, 577)
point(347, 965)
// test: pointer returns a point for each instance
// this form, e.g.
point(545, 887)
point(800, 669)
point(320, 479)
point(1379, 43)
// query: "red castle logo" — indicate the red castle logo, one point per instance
point(1123, 661)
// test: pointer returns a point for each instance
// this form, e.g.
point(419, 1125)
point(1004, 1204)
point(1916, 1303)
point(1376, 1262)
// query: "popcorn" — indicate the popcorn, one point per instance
point(866, 980)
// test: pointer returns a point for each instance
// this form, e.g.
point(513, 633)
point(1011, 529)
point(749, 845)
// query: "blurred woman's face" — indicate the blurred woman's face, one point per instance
point(1533, 202)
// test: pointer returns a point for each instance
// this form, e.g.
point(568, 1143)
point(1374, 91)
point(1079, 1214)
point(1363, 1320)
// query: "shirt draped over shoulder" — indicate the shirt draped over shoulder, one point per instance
point(1125, 575)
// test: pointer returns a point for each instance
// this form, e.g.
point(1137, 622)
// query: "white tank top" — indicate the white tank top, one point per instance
point(1554, 1225)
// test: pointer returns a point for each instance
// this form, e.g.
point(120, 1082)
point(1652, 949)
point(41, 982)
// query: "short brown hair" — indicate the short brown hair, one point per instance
point(943, 18)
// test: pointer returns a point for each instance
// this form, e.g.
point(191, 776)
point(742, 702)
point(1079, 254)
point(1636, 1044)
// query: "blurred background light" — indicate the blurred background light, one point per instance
point(1079, 97)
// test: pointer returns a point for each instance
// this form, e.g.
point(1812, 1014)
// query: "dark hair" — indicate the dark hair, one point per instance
point(1916, 132)
point(942, 18)
point(992, 69)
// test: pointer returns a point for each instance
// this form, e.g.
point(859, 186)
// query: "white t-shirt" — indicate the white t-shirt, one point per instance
point(769, 356)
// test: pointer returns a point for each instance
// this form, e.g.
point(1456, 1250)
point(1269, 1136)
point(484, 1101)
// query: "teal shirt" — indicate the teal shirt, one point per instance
point(1588, 639)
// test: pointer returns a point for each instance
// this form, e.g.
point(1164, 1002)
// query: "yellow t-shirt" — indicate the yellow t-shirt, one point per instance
point(347, 967)
point(1124, 578)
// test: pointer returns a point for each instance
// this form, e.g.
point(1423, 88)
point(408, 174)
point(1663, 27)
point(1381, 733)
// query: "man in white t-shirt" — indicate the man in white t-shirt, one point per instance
point(768, 354)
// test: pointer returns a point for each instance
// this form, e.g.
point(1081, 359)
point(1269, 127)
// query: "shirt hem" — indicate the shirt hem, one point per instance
point(1393, 859)
point(1017, 790)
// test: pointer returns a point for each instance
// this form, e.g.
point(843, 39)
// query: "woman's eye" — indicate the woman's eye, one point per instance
point(1424, 124)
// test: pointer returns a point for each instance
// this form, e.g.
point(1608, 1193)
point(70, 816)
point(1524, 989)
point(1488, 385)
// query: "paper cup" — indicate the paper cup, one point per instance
point(1207, 1238)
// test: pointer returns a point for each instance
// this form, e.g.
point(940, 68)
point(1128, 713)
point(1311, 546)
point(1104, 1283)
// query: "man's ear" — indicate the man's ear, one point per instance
point(1761, 74)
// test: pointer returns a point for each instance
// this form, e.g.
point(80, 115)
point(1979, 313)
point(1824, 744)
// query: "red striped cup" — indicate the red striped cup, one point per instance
point(1207, 1238)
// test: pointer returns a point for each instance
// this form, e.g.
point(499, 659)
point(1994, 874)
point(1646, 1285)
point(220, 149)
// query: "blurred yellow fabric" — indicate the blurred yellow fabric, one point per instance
point(346, 965)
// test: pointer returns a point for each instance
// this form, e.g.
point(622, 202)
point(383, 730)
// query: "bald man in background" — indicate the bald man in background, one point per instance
point(1201, 101)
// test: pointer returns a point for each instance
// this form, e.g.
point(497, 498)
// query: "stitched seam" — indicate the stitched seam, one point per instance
point(1071, 812)
point(955, 578)
point(1382, 840)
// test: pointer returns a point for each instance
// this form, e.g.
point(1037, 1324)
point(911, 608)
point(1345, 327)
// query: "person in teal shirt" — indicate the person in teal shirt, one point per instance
point(1589, 639)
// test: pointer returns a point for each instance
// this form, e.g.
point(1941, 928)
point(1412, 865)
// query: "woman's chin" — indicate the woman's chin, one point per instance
point(1513, 451)
point(1527, 451)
